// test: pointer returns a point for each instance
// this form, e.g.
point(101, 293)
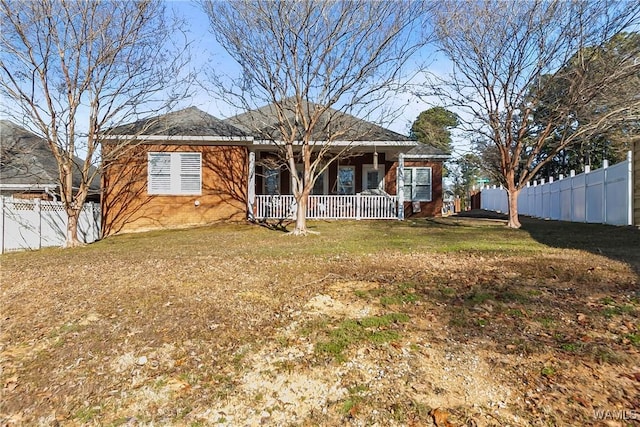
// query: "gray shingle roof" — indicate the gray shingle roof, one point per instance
point(27, 159)
point(426, 150)
point(262, 124)
point(188, 122)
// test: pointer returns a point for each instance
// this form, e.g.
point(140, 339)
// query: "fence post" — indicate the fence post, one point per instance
point(358, 206)
point(630, 186)
point(605, 165)
point(92, 224)
point(1, 224)
point(572, 174)
point(38, 210)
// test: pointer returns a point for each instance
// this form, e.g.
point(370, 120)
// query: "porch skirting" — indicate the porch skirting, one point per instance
point(357, 206)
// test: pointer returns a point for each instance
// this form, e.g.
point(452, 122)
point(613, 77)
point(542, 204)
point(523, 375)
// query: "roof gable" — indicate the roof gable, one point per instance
point(262, 123)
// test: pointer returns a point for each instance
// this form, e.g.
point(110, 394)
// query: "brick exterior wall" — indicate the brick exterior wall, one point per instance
point(127, 206)
point(427, 209)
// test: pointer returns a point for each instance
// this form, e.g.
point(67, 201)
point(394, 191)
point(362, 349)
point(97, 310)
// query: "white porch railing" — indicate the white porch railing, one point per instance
point(357, 206)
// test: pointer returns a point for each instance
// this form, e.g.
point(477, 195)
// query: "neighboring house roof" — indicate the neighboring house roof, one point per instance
point(262, 123)
point(188, 122)
point(426, 151)
point(27, 163)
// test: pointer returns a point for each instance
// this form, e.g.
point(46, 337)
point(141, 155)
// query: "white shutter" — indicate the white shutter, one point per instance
point(408, 184)
point(190, 173)
point(159, 173)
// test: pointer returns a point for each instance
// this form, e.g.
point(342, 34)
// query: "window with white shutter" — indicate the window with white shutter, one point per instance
point(175, 173)
point(417, 184)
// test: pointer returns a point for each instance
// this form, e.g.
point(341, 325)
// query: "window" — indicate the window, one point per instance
point(271, 182)
point(417, 184)
point(346, 180)
point(372, 179)
point(175, 173)
point(320, 186)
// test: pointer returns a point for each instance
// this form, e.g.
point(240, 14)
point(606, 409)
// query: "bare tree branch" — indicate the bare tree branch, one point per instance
point(313, 61)
point(514, 59)
point(74, 69)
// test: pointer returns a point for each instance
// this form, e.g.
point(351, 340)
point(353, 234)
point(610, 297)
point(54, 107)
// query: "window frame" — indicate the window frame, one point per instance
point(321, 179)
point(266, 173)
point(176, 174)
point(411, 186)
point(339, 182)
point(365, 177)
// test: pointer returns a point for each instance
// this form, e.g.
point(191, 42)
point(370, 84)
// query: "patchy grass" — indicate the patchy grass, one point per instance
point(211, 326)
point(375, 329)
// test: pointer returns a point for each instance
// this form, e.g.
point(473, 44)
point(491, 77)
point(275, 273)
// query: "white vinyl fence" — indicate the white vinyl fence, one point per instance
point(34, 224)
point(600, 196)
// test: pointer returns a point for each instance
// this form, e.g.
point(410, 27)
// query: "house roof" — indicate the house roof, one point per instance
point(262, 123)
point(188, 122)
point(27, 161)
point(422, 151)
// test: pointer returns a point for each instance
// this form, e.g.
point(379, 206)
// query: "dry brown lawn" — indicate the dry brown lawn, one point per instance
point(456, 321)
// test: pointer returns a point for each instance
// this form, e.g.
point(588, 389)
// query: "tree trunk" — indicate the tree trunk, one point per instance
point(512, 196)
point(72, 228)
point(301, 213)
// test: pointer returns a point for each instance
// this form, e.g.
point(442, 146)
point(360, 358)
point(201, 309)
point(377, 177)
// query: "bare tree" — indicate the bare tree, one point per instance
point(312, 61)
point(69, 70)
point(510, 59)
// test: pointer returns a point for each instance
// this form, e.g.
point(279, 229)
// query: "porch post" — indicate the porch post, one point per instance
point(400, 186)
point(251, 189)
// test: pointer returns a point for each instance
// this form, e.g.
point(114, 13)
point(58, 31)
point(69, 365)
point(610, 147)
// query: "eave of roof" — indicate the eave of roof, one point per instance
point(181, 139)
point(426, 156)
point(48, 186)
point(409, 143)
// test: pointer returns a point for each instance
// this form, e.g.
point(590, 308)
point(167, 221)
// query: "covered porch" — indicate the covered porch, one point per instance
point(368, 186)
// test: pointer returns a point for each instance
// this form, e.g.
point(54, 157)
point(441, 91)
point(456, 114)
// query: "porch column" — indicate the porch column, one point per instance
point(400, 186)
point(251, 186)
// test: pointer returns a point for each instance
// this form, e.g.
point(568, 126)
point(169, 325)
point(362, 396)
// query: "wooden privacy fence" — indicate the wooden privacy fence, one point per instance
point(356, 206)
point(34, 224)
point(600, 196)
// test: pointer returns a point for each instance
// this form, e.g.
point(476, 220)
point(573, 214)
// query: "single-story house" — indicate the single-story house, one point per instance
point(188, 168)
point(28, 169)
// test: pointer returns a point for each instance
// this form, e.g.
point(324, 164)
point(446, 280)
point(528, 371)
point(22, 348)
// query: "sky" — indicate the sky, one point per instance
point(207, 53)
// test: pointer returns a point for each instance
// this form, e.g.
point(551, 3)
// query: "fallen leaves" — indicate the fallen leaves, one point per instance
point(440, 418)
point(632, 376)
point(171, 321)
point(10, 383)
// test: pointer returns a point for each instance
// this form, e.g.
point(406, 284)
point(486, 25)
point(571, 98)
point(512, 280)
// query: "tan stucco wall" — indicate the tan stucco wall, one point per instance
point(127, 207)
